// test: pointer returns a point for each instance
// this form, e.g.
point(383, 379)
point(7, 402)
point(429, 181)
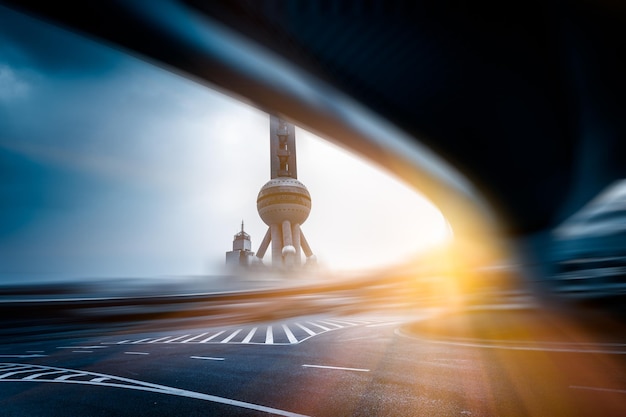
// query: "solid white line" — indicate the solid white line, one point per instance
point(336, 367)
point(230, 337)
point(249, 336)
point(28, 378)
point(290, 336)
point(136, 353)
point(194, 338)
point(207, 358)
point(159, 339)
point(620, 391)
point(212, 337)
point(140, 341)
point(269, 336)
point(177, 338)
point(309, 331)
point(320, 326)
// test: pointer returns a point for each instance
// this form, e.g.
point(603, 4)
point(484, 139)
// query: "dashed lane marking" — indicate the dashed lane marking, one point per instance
point(82, 351)
point(136, 353)
point(207, 358)
point(340, 368)
point(72, 376)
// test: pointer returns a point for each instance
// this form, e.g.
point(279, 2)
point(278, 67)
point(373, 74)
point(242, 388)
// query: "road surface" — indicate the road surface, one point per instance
point(314, 365)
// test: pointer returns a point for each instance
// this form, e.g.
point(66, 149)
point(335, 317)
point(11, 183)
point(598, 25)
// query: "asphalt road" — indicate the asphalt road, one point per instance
point(365, 365)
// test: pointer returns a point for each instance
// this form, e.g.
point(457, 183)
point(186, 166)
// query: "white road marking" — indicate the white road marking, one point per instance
point(100, 379)
point(194, 338)
point(207, 358)
point(20, 371)
point(231, 336)
point(120, 382)
point(249, 336)
point(331, 324)
point(136, 353)
point(66, 377)
point(349, 323)
point(122, 342)
point(35, 351)
point(159, 339)
point(269, 336)
point(384, 324)
point(336, 367)
point(82, 351)
point(177, 338)
point(82, 347)
point(619, 391)
point(140, 341)
point(306, 329)
point(28, 378)
point(290, 336)
point(212, 337)
point(319, 325)
point(34, 355)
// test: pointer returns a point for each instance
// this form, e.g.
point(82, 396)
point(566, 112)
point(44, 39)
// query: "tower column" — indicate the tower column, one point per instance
point(264, 244)
point(295, 234)
point(277, 244)
point(288, 252)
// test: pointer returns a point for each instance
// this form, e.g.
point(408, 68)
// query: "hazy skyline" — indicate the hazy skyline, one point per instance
point(116, 167)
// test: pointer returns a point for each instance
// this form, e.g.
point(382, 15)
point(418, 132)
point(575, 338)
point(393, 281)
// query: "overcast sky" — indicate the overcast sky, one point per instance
point(110, 166)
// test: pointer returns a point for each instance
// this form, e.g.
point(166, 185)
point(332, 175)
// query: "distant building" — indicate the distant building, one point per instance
point(241, 255)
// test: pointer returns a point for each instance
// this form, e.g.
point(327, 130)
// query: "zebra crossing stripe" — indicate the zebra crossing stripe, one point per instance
point(249, 336)
point(269, 336)
point(194, 338)
point(319, 325)
point(231, 336)
point(159, 339)
point(290, 336)
point(176, 338)
point(309, 331)
point(212, 337)
point(142, 340)
point(331, 324)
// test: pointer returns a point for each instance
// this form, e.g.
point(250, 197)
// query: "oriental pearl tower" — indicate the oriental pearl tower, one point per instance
point(284, 203)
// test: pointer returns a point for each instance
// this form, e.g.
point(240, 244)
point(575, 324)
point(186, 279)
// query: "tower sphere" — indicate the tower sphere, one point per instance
point(283, 198)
